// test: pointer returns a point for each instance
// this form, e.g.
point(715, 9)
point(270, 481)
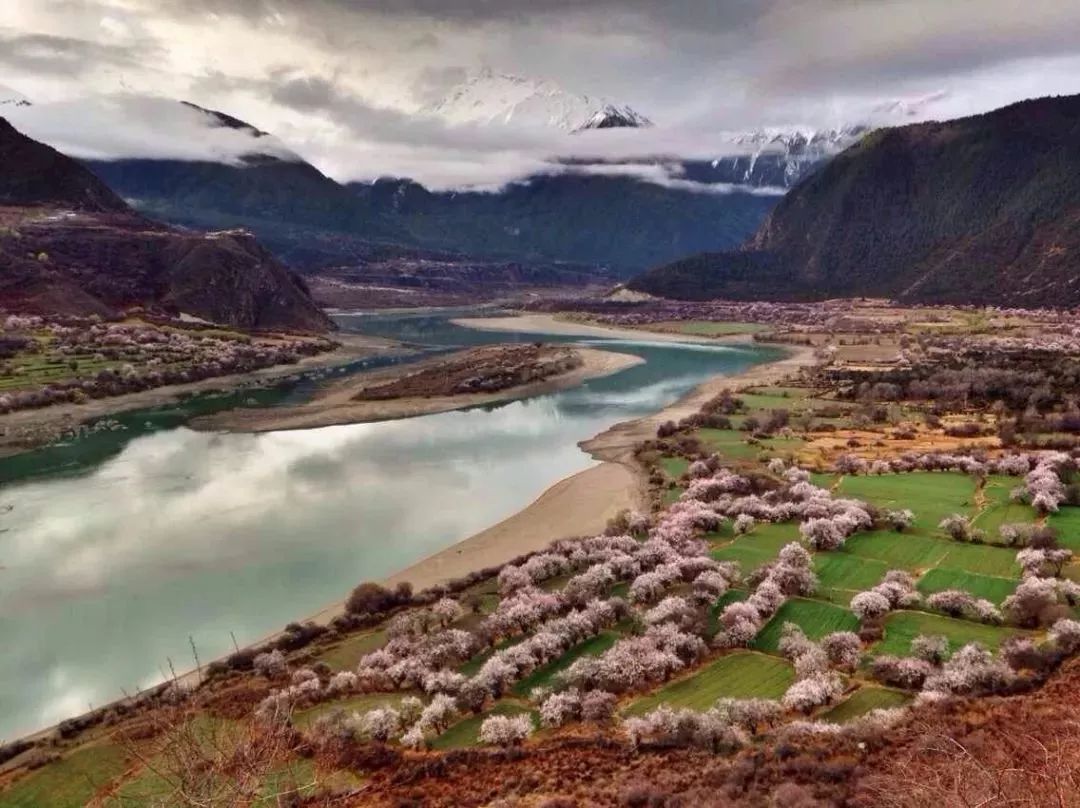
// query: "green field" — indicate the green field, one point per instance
point(931, 495)
point(904, 626)
point(731, 596)
point(543, 675)
point(69, 782)
point(466, 733)
point(916, 552)
point(674, 467)
point(757, 547)
point(981, 586)
point(748, 557)
point(1000, 509)
point(815, 617)
point(740, 675)
point(671, 495)
point(1067, 523)
point(865, 699)
point(844, 573)
point(354, 704)
point(346, 655)
point(728, 442)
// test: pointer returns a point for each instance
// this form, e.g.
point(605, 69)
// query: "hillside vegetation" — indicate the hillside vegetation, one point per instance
point(69, 245)
point(982, 210)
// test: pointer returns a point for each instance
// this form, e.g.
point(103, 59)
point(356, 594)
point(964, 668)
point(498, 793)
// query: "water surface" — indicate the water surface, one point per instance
point(113, 554)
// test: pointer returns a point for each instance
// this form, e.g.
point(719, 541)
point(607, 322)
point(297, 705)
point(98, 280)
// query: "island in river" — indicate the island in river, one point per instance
point(481, 376)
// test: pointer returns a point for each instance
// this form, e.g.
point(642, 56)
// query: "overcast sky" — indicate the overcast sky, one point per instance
point(341, 82)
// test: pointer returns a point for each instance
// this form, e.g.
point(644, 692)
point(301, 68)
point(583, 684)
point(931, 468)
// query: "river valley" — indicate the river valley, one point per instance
point(115, 553)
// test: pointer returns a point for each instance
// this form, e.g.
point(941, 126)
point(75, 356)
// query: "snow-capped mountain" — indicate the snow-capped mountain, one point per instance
point(499, 98)
point(771, 157)
point(12, 98)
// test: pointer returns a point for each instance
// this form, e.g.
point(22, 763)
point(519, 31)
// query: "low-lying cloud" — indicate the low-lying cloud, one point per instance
point(344, 82)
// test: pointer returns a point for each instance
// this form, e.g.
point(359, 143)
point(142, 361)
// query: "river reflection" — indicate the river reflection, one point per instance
point(105, 575)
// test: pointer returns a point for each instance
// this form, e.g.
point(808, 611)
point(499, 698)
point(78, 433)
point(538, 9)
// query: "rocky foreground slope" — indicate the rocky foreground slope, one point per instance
point(983, 209)
point(69, 245)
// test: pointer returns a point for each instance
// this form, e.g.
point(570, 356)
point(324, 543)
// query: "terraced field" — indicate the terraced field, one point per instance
point(865, 699)
point(347, 655)
point(1067, 523)
point(466, 733)
point(904, 626)
point(816, 618)
point(545, 674)
point(931, 495)
point(992, 588)
point(69, 782)
point(738, 675)
point(358, 704)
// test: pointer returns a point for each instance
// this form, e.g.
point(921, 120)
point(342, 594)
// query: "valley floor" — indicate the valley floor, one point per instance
point(863, 423)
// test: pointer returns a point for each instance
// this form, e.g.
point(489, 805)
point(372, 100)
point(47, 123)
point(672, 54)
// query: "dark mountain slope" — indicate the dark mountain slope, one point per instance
point(34, 174)
point(613, 221)
point(311, 221)
point(69, 245)
point(979, 210)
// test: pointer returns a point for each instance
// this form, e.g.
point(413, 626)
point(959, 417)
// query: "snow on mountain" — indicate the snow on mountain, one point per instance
point(772, 157)
point(499, 98)
point(12, 98)
point(612, 117)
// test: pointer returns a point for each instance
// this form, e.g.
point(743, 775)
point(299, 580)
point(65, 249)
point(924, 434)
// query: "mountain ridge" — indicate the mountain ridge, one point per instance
point(69, 245)
point(983, 209)
point(490, 98)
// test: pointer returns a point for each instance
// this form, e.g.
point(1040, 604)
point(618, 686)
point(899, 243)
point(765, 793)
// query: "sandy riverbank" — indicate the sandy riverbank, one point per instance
point(578, 505)
point(582, 504)
point(337, 405)
point(617, 443)
point(550, 324)
point(25, 430)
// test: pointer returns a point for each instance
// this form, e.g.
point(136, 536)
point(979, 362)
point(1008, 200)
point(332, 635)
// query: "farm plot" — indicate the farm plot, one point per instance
point(545, 673)
point(69, 782)
point(931, 495)
point(466, 733)
point(904, 626)
point(841, 575)
point(999, 508)
point(728, 443)
point(674, 467)
point(757, 547)
point(1067, 523)
point(990, 587)
point(815, 617)
point(915, 552)
point(346, 655)
point(863, 700)
point(740, 675)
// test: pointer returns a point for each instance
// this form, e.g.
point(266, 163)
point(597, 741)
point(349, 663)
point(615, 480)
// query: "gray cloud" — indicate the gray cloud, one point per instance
point(66, 56)
point(341, 81)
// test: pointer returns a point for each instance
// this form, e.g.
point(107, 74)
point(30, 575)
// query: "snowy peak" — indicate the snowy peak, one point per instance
point(799, 141)
point(612, 117)
point(490, 98)
point(773, 157)
point(12, 98)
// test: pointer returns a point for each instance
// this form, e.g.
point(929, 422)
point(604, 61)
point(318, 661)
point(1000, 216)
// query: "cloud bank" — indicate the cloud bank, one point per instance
point(344, 82)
